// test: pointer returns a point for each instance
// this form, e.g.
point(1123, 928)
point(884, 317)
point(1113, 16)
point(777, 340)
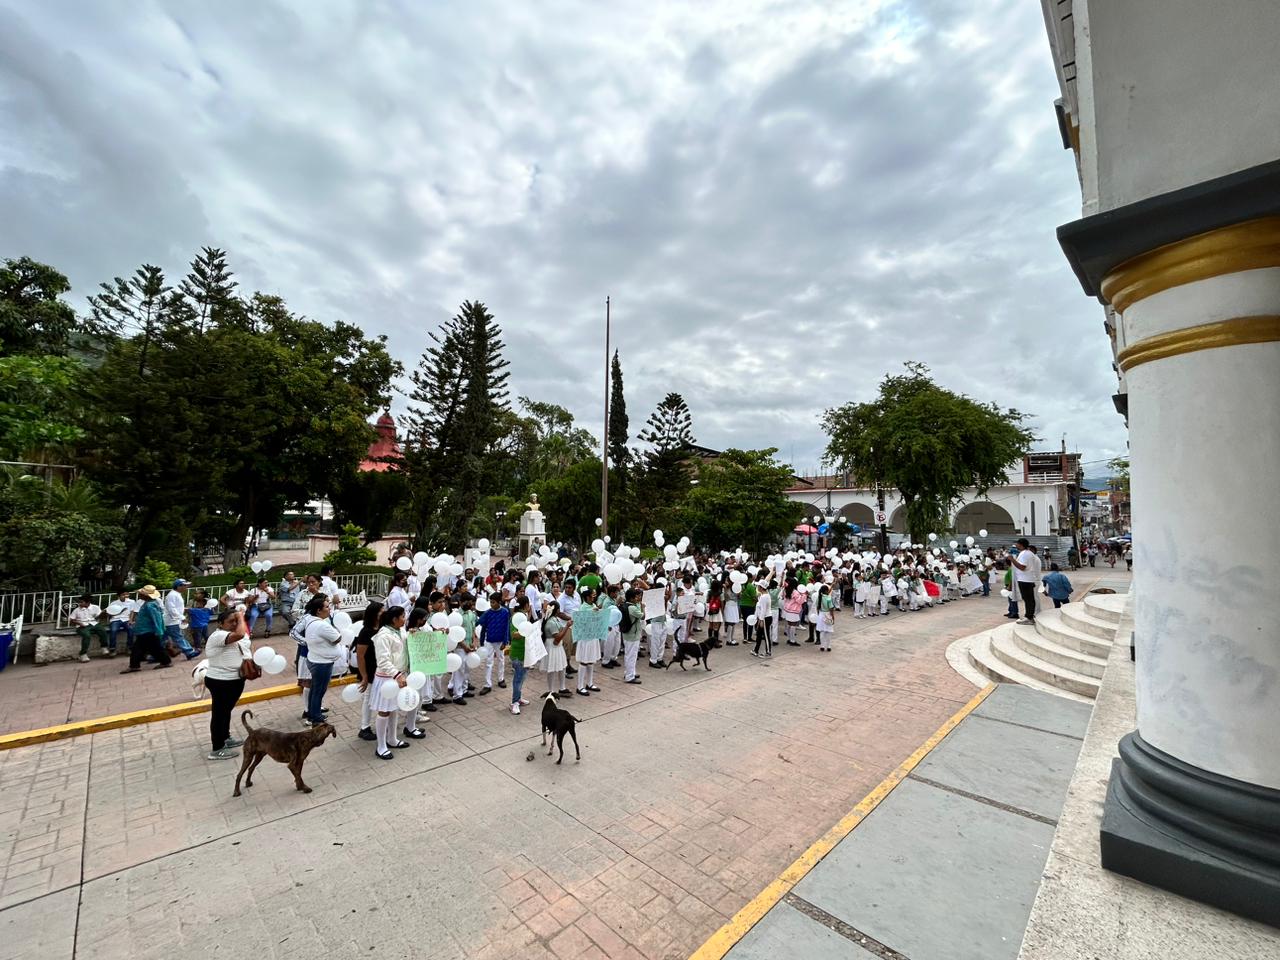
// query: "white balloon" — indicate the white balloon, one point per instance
point(453, 662)
point(403, 563)
point(457, 635)
point(267, 565)
point(408, 699)
point(933, 536)
point(544, 551)
point(982, 533)
point(483, 544)
point(455, 619)
point(612, 573)
point(954, 544)
point(1006, 594)
point(263, 655)
point(342, 619)
point(351, 693)
point(519, 620)
point(439, 621)
point(527, 629)
point(276, 665)
point(417, 680)
point(599, 522)
point(670, 551)
point(473, 660)
point(657, 536)
point(256, 566)
point(457, 569)
point(421, 558)
point(751, 620)
point(968, 541)
point(737, 588)
point(597, 546)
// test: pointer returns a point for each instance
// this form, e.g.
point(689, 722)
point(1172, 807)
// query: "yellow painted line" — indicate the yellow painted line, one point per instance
point(724, 939)
point(81, 728)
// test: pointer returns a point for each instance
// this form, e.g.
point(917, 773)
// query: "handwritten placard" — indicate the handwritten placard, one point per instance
point(685, 604)
point(590, 624)
point(655, 603)
point(428, 650)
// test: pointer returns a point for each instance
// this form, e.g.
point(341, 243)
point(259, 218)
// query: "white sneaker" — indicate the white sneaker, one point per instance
point(523, 702)
point(515, 708)
point(84, 658)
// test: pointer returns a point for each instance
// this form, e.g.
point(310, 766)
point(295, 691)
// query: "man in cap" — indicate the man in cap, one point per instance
point(175, 607)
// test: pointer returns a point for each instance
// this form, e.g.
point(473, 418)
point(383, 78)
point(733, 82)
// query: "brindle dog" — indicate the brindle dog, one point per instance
point(291, 749)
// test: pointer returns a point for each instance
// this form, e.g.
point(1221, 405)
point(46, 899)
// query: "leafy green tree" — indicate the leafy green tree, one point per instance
point(1119, 467)
point(51, 530)
point(619, 424)
point(571, 502)
point(740, 500)
point(928, 443)
point(34, 320)
point(376, 501)
point(457, 409)
point(37, 405)
point(139, 305)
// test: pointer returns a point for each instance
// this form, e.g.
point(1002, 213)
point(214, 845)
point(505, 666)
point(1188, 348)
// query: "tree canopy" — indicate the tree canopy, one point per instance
point(926, 442)
point(740, 500)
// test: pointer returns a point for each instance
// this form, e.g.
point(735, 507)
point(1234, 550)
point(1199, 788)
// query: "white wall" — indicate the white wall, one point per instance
point(1181, 91)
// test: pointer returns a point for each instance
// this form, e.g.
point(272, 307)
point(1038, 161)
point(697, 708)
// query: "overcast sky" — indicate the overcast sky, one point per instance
point(785, 200)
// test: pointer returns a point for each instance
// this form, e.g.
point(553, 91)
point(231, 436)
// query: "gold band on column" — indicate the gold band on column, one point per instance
point(1206, 336)
point(1241, 246)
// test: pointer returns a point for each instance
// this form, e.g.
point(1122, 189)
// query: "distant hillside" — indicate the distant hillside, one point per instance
point(1096, 483)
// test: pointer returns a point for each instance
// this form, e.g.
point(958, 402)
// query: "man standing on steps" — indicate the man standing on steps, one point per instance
point(1027, 575)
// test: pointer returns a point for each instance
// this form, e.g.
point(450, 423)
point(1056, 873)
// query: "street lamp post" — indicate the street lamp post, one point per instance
point(497, 520)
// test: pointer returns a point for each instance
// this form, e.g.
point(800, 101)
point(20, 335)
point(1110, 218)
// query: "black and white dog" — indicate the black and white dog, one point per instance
point(695, 651)
point(558, 722)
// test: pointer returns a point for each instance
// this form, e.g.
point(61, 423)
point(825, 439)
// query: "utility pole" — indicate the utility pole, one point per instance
point(604, 451)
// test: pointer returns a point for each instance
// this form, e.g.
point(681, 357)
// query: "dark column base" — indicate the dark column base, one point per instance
point(1193, 833)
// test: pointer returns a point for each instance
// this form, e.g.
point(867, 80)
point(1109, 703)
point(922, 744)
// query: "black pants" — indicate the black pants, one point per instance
point(223, 694)
point(763, 634)
point(1028, 591)
point(147, 645)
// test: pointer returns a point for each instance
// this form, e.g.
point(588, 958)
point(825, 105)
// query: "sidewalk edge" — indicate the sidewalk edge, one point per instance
point(80, 728)
point(724, 939)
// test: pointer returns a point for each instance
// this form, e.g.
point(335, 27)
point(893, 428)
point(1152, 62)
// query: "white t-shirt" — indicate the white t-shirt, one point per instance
point(129, 606)
point(569, 603)
point(224, 657)
point(175, 608)
point(85, 616)
point(1032, 563)
point(535, 600)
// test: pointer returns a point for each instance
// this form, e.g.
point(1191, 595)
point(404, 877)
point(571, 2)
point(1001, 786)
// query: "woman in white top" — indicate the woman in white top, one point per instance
point(398, 595)
point(262, 604)
point(389, 677)
point(555, 631)
point(323, 649)
point(227, 648)
point(236, 595)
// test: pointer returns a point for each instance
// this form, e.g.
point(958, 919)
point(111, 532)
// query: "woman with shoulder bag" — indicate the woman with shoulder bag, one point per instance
point(264, 602)
point(230, 665)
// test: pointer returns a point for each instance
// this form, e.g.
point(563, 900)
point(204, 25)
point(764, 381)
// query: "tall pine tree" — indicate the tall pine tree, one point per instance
point(619, 454)
point(670, 427)
point(456, 414)
point(210, 289)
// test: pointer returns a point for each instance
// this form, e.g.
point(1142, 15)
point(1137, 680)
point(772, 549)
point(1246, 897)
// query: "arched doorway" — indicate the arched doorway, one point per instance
point(898, 520)
point(984, 515)
point(858, 513)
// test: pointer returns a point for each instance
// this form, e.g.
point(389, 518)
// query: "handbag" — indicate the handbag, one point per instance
point(249, 670)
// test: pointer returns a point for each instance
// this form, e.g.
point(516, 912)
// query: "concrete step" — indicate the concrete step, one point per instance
point(1036, 642)
point(1078, 618)
point(1106, 606)
point(982, 660)
point(1005, 648)
point(1055, 626)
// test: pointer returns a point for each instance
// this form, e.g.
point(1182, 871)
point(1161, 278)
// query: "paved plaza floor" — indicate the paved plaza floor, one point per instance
point(695, 790)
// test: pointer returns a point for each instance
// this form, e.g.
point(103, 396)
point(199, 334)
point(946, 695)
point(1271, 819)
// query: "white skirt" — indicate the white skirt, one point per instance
point(731, 612)
point(790, 617)
point(555, 659)
point(588, 651)
point(826, 623)
point(304, 669)
point(383, 694)
point(715, 618)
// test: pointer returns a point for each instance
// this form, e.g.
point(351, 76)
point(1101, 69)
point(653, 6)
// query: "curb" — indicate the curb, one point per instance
point(81, 728)
point(727, 937)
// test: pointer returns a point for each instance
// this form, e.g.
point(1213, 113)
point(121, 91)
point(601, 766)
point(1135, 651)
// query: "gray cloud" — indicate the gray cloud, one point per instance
point(786, 201)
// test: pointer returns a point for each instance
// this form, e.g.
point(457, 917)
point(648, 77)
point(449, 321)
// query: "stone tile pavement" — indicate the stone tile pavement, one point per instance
point(695, 790)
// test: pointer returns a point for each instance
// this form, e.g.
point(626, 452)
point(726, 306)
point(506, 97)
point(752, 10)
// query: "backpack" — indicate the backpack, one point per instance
point(627, 623)
point(713, 605)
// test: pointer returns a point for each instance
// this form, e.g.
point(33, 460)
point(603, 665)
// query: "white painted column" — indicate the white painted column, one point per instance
point(1205, 443)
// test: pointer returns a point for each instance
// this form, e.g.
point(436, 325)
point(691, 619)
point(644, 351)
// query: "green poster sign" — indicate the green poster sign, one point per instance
point(427, 652)
point(590, 624)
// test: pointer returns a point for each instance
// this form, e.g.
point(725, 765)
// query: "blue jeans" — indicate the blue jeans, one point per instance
point(254, 614)
point(320, 674)
point(116, 627)
point(986, 588)
point(517, 678)
point(174, 632)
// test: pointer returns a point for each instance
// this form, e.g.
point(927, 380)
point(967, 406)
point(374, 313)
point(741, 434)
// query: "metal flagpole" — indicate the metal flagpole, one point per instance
point(604, 451)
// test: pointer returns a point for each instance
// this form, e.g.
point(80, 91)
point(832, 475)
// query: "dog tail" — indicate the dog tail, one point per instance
point(244, 718)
